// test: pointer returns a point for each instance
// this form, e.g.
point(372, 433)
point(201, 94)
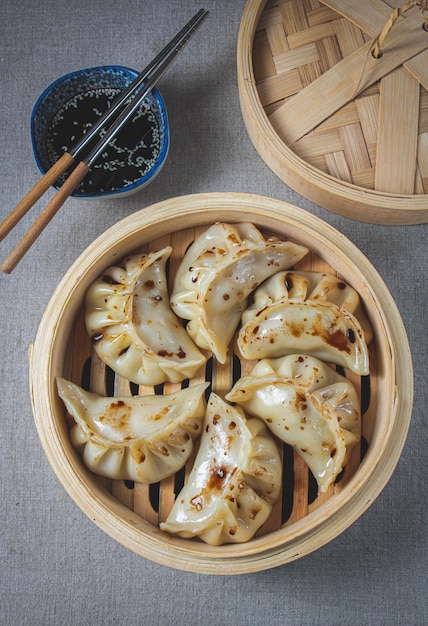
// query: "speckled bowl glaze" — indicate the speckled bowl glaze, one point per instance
point(68, 107)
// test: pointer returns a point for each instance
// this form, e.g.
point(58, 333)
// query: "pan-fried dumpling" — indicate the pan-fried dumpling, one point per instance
point(307, 405)
point(132, 326)
point(218, 272)
point(309, 312)
point(235, 480)
point(140, 438)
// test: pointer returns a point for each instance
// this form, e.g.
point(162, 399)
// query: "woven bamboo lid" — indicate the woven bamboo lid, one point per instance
point(345, 129)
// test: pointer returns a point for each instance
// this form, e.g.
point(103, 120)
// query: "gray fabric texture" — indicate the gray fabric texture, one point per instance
point(57, 567)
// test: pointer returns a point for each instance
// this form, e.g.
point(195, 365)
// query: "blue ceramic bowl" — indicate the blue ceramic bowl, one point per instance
point(71, 105)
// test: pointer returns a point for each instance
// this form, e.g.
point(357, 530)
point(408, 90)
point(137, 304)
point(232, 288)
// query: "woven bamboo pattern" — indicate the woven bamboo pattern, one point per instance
point(377, 140)
point(341, 126)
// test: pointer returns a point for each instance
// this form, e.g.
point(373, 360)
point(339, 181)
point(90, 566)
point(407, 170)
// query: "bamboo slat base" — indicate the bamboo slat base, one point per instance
point(299, 495)
point(301, 521)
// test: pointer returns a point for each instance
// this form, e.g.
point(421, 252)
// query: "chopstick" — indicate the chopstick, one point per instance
point(122, 109)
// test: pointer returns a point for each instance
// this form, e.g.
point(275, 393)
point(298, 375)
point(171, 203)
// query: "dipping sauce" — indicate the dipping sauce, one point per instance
point(126, 159)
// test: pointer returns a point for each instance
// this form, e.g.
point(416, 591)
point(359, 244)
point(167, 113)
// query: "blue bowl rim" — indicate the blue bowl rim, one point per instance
point(164, 118)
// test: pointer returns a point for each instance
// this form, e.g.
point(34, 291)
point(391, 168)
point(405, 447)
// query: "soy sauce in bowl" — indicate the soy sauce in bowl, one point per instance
point(69, 108)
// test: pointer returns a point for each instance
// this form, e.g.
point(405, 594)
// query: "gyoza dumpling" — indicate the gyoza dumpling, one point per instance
point(132, 326)
point(234, 482)
point(309, 312)
point(140, 438)
point(218, 272)
point(306, 404)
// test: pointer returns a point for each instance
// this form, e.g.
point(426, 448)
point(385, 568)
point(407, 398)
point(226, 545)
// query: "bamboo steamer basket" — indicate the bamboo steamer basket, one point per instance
point(344, 129)
point(301, 522)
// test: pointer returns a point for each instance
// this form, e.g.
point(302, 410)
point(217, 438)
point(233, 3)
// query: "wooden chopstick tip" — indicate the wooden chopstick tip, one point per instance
point(83, 167)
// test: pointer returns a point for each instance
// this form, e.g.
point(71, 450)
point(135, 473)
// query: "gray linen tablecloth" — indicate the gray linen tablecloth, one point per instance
point(57, 566)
